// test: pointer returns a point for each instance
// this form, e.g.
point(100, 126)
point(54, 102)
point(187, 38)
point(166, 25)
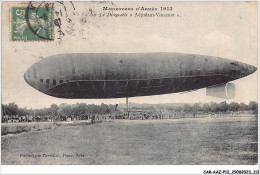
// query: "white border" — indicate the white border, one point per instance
point(125, 169)
point(121, 169)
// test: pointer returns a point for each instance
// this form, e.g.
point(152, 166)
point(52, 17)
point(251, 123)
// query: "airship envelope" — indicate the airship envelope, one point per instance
point(117, 75)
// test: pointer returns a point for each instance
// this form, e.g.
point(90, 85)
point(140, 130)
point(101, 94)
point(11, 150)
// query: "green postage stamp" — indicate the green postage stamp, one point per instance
point(32, 22)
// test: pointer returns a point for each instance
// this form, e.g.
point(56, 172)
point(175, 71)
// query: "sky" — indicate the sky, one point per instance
point(223, 29)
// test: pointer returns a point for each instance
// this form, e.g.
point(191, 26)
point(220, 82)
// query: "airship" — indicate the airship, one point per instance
point(119, 75)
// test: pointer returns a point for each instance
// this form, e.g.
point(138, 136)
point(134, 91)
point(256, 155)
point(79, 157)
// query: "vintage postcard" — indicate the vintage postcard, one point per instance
point(130, 83)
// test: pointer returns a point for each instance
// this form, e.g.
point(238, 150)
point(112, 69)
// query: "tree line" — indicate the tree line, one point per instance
point(222, 107)
point(83, 109)
point(75, 110)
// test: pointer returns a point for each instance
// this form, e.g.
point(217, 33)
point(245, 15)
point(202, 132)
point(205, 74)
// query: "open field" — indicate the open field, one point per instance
point(173, 142)
point(16, 128)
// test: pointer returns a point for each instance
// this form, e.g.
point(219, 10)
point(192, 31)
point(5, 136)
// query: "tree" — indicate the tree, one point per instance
point(93, 109)
point(64, 110)
point(196, 107)
point(214, 107)
point(160, 107)
point(150, 107)
point(187, 108)
point(206, 108)
point(253, 106)
point(169, 108)
point(178, 109)
point(11, 109)
point(23, 112)
point(79, 110)
point(233, 106)
point(243, 107)
point(223, 107)
point(104, 109)
point(53, 111)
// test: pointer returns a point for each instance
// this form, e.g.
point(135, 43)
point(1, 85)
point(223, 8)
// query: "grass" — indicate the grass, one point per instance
point(169, 142)
point(16, 128)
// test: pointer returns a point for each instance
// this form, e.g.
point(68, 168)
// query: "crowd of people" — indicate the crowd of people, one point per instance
point(28, 118)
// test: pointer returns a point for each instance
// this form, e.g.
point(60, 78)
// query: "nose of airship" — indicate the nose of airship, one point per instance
point(239, 70)
point(252, 69)
point(248, 69)
point(28, 77)
point(25, 76)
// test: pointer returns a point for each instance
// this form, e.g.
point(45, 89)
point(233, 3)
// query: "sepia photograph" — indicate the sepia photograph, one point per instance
point(130, 83)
